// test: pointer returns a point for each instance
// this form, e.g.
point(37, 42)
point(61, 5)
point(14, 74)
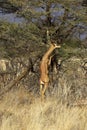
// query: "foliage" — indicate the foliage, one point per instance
point(18, 3)
point(63, 19)
point(17, 39)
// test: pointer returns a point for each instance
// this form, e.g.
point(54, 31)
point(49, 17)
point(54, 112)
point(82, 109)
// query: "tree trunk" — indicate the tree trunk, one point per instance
point(48, 19)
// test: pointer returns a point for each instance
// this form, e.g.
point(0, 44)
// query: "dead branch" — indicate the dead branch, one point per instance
point(13, 82)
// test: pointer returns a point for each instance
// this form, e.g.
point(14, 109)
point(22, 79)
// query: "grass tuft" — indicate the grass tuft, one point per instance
point(17, 113)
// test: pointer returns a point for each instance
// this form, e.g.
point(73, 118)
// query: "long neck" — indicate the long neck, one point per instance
point(50, 50)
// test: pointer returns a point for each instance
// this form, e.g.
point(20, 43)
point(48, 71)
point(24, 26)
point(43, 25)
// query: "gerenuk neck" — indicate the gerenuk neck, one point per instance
point(47, 54)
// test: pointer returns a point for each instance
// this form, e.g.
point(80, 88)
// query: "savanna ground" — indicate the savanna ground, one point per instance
point(22, 110)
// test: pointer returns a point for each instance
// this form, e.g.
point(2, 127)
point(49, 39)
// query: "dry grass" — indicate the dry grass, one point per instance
point(18, 113)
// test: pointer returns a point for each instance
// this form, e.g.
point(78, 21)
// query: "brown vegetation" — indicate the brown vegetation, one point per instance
point(20, 110)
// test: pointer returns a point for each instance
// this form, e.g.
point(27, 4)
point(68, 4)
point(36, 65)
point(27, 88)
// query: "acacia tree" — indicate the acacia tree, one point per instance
point(61, 18)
